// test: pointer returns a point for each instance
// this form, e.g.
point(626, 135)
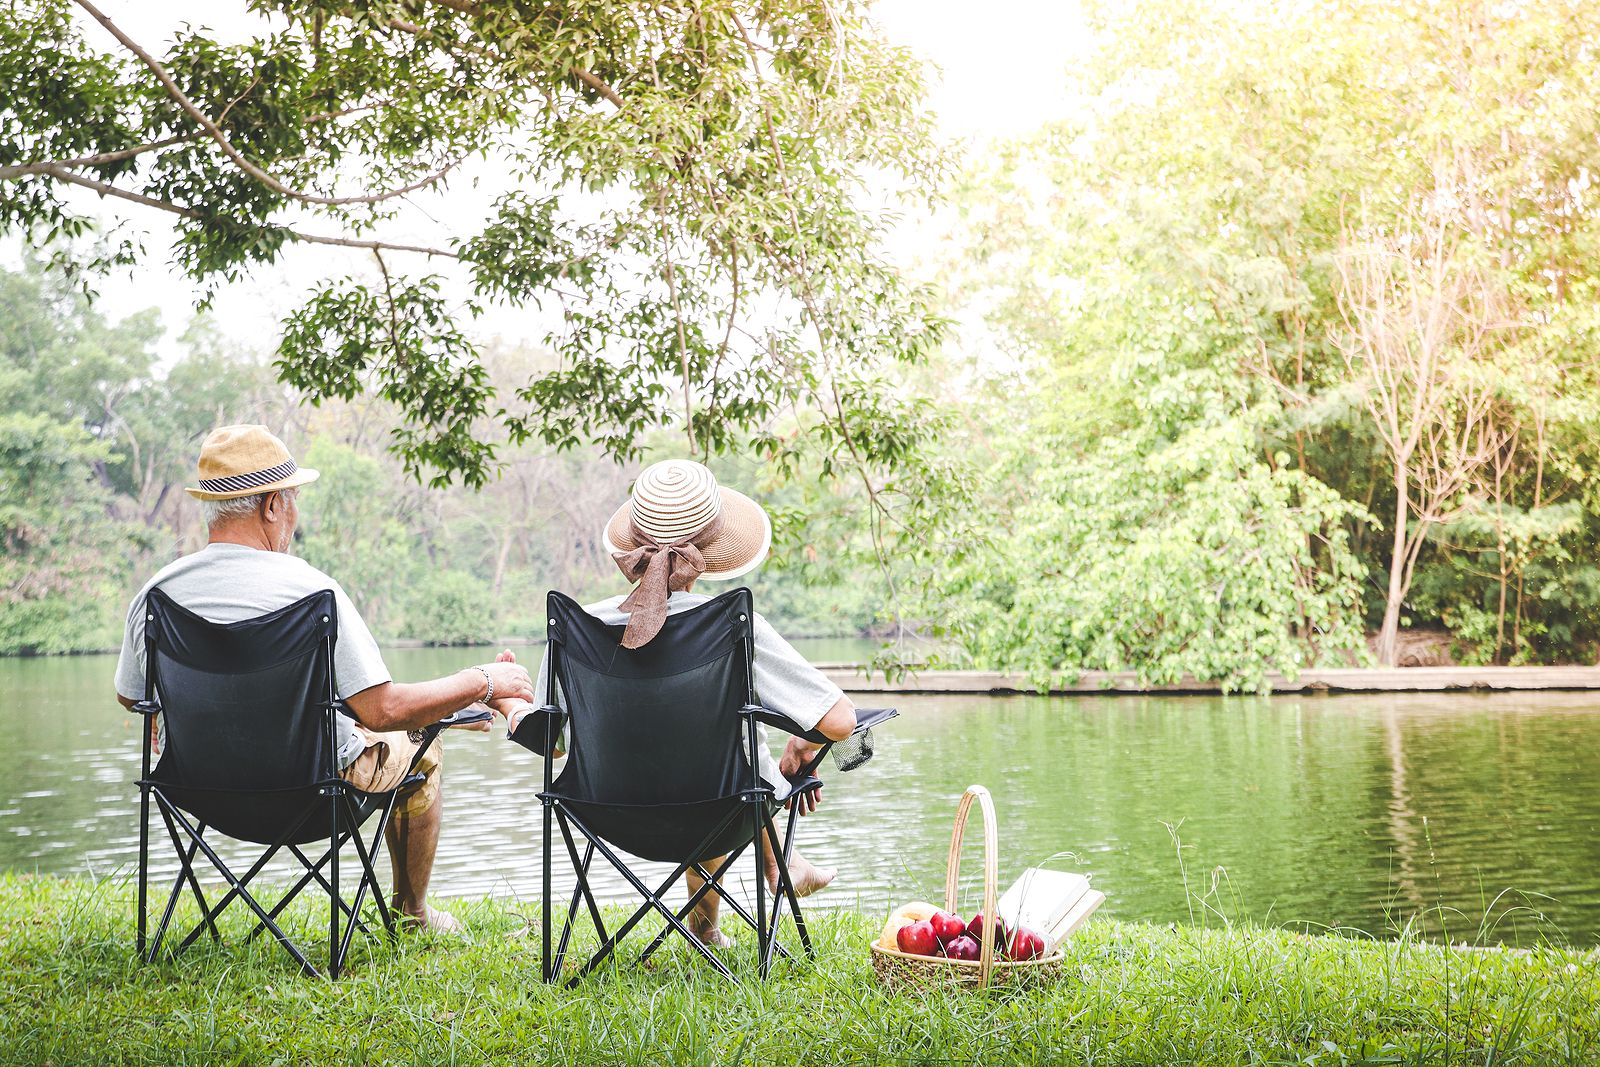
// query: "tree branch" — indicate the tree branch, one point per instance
point(388, 301)
point(101, 159)
point(597, 85)
point(60, 173)
point(238, 158)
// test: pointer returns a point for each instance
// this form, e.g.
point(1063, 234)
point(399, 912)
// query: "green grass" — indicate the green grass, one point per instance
point(71, 992)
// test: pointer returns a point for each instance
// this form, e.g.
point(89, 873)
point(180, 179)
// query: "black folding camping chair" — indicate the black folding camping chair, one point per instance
point(662, 762)
point(249, 753)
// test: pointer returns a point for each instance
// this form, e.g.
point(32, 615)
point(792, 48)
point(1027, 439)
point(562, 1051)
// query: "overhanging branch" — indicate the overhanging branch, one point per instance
point(100, 159)
point(221, 138)
point(61, 173)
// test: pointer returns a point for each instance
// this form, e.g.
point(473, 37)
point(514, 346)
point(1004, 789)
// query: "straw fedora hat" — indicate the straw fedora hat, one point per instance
point(675, 499)
point(244, 460)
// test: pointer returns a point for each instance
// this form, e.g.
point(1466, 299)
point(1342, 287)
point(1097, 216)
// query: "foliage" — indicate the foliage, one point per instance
point(57, 546)
point(61, 545)
point(448, 608)
point(1182, 415)
point(1187, 556)
point(689, 192)
point(1166, 261)
point(1461, 589)
point(98, 443)
point(431, 373)
point(1131, 993)
point(351, 529)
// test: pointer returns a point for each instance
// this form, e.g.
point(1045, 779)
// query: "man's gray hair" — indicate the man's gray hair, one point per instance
point(216, 511)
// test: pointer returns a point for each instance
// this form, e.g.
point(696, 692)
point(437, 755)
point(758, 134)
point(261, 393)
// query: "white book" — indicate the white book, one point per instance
point(1076, 917)
point(1051, 903)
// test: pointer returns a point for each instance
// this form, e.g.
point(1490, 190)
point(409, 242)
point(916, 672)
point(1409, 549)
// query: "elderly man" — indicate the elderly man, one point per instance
point(248, 493)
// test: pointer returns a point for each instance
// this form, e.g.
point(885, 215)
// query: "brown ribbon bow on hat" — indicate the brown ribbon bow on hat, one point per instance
point(660, 570)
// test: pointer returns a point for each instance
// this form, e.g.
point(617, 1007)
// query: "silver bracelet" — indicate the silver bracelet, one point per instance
point(488, 683)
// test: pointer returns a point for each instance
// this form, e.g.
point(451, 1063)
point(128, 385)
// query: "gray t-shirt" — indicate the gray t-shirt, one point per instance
point(230, 583)
point(785, 682)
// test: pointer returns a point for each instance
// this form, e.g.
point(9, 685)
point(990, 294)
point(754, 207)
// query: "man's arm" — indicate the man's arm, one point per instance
point(414, 705)
point(128, 703)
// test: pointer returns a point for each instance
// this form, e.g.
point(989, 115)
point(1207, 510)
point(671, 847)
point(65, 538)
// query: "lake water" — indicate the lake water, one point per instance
point(1479, 812)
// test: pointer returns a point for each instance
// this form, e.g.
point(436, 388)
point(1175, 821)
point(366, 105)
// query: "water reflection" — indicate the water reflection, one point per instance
point(1364, 811)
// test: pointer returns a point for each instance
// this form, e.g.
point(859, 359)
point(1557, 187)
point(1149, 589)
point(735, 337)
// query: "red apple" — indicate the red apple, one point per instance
point(947, 927)
point(975, 931)
point(1025, 944)
point(964, 947)
point(918, 939)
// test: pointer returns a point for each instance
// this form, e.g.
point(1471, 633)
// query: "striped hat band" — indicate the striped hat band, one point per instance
point(237, 482)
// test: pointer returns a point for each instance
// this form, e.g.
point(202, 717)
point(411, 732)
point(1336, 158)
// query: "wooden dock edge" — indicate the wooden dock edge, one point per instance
point(1322, 680)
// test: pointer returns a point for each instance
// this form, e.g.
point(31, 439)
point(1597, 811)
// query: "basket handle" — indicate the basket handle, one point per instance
point(991, 870)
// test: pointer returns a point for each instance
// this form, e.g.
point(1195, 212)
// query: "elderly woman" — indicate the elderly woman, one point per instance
point(720, 534)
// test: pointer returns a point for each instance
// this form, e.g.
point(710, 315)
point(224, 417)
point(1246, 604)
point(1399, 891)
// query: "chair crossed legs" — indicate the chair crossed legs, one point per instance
point(711, 881)
point(349, 809)
point(248, 710)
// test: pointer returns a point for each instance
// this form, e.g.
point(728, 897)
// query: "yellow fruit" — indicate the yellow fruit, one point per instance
point(904, 915)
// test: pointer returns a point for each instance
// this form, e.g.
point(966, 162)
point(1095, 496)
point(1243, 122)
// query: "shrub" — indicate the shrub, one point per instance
point(449, 608)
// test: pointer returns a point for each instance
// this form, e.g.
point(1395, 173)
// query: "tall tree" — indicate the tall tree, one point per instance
point(1421, 321)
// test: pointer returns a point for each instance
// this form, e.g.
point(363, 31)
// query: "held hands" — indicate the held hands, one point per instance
point(515, 708)
point(512, 688)
point(511, 705)
point(796, 754)
point(511, 679)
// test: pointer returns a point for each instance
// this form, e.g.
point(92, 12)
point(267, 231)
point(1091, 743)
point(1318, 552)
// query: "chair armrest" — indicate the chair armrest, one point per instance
point(866, 719)
point(538, 726)
point(146, 707)
point(433, 730)
point(784, 723)
point(342, 708)
point(466, 716)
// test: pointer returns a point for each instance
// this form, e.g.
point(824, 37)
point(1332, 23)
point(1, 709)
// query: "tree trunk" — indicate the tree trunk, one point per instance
point(1389, 634)
point(500, 565)
point(1500, 620)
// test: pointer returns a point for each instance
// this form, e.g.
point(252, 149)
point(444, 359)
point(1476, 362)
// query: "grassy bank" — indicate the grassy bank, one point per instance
point(71, 993)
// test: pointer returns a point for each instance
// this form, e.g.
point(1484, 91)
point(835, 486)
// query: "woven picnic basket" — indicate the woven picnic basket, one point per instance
point(901, 968)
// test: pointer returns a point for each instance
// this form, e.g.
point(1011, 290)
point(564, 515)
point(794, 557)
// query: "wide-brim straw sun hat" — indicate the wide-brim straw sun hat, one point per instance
point(677, 498)
point(245, 460)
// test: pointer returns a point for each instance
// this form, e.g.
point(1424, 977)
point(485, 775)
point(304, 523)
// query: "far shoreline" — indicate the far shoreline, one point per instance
point(1312, 680)
point(859, 678)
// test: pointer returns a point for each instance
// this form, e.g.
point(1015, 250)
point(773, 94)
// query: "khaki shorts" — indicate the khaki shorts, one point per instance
point(384, 763)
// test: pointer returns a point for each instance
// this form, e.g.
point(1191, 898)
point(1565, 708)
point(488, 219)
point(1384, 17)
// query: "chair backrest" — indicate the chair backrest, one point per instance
point(245, 703)
point(658, 724)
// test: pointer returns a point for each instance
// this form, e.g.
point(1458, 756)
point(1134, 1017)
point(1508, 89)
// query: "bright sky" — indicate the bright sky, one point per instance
point(1000, 74)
